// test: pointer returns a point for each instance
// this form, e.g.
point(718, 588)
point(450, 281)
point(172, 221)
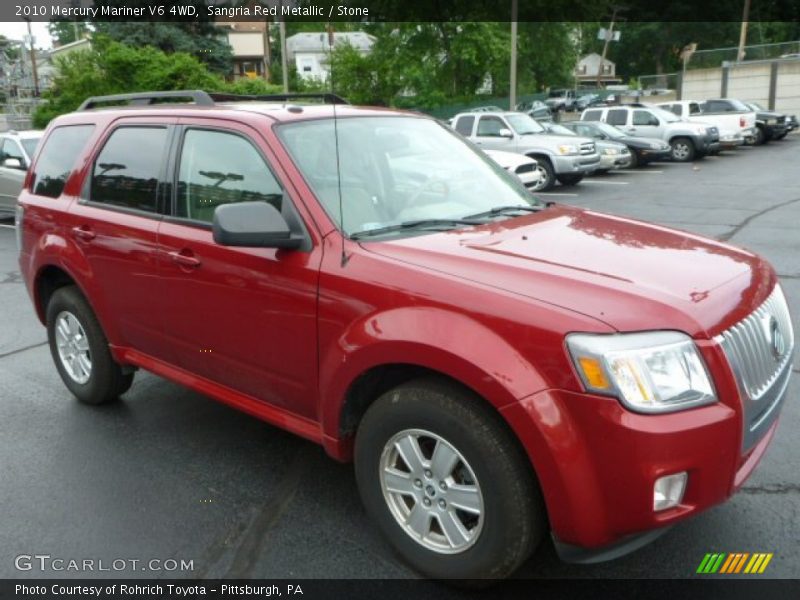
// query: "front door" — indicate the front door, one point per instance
point(244, 318)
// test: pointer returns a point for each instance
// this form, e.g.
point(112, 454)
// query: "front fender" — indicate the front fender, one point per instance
point(450, 343)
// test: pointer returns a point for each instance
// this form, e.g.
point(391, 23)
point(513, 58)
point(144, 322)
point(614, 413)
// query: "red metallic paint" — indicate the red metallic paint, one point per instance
point(289, 332)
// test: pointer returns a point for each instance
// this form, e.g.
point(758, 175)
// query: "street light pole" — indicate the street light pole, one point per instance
point(512, 100)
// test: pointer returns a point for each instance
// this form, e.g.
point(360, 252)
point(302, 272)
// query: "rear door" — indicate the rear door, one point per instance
point(244, 318)
point(114, 225)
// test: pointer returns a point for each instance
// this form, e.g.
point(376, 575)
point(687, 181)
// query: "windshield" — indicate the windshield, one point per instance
point(30, 145)
point(560, 130)
point(738, 105)
point(395, 170)
point(523, 124)
point(610, 130)
point(755, 106)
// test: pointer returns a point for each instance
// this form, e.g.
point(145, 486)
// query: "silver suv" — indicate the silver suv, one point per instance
point(16, 150)
point(561, 158)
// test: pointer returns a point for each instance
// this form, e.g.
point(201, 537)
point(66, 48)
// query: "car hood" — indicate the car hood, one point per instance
point(553, 138)
point(509, 160)
point(627, 274)
point(768, 114)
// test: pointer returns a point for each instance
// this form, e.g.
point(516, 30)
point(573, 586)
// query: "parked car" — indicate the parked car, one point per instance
point(565, 159)
point(770, 125)
point(558, 100)
point(613, 155)
point(490, 108)
point(791, 123)
point(542, 114)
point(499, 369)
point(525, 168)
point(643, 150)
point(687, 140)
point(735, 121)
point(588, 100)
point(16, 150)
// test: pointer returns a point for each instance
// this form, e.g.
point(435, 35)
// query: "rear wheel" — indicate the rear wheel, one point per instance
point(761, 136)
point(80, 349)
point(446, 482)
point(683, 149)
point(636, 160)
point(572, 179)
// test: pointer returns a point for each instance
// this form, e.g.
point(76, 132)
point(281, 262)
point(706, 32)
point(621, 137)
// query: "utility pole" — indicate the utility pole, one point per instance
point(267, 50)
point(743, 31)
point(512, 100)
point(609, 35)
point(33, 62)
point(284, 61)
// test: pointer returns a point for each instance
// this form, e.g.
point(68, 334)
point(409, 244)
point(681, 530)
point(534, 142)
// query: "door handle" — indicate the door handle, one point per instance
point(83, 233)
point(185, 260)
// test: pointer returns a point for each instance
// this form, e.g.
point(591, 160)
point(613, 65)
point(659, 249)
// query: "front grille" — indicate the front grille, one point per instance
point(587, 148)
point(759, 349)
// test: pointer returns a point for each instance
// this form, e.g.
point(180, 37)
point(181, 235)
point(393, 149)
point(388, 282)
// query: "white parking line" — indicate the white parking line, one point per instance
point(606, 182)
point(632, 172)
point(7, 226)
point(553, 194)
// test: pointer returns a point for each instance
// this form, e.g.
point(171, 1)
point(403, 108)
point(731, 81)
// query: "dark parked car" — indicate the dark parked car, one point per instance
point(499, 369)
point(643, 150)
point(770, 125)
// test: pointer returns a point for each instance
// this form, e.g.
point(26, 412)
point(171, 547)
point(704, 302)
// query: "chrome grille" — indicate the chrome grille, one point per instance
point(587, 148)
point(759, 349)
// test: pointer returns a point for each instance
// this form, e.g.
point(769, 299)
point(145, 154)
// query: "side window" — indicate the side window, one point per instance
point(591, 115)
point(57, 158)
point(694, 108)
point(127, 169)
point(11, 149)
point(617, 116)
point(220, 168)
point(490, 126)
point(716, 106)
point(464, 125)
point(644, 117)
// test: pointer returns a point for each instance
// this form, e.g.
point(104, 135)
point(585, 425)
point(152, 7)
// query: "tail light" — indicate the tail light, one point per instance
point(742, 122)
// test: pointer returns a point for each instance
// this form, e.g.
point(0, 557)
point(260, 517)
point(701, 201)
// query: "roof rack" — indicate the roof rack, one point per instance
point(201, 98)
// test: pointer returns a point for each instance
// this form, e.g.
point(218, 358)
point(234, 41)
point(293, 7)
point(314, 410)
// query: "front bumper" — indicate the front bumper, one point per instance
point(651, 154)
point(613, 161)
point(597, 464)
point(579, 164)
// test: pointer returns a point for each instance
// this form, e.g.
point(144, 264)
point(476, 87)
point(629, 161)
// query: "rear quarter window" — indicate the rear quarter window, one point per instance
point(57, 158)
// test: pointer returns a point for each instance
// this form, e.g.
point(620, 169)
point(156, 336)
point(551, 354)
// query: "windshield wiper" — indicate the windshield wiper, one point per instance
point(501, 210)
point(416, 224)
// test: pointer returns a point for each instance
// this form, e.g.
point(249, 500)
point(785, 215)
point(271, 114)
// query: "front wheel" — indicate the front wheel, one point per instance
point(683, 150)
point(547, 176)
point(761, 137)
point(446, 482)
point(80, 349)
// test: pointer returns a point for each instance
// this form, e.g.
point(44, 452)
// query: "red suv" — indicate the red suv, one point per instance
point(497, 368)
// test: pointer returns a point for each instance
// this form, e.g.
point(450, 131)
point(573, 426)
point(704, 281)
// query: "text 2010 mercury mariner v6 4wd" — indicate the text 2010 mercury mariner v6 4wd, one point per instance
point(497, 368)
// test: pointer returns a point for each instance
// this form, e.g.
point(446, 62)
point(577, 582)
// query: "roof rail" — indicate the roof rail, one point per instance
point(202, 98)
point(146, 98)
point(326, 97)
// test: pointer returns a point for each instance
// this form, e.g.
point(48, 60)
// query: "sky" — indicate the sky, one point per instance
point(16, 31)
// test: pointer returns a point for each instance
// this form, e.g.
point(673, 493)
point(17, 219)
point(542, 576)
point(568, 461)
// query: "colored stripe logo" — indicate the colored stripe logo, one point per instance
point(734, 563)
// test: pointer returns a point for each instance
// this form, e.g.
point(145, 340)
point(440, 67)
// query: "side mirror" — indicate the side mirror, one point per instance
point(253, 224)
point(13, 163)
point(505, 133)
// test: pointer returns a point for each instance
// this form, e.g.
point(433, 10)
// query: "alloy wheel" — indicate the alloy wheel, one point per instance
point(73, 347)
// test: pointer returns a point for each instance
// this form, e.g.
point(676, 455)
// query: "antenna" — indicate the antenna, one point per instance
point(345, 258)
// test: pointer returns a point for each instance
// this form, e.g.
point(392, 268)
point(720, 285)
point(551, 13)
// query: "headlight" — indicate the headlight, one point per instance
point(656, 146)
point(650, 372)
point(567, 149)
point(611, 151)
point(701, 130)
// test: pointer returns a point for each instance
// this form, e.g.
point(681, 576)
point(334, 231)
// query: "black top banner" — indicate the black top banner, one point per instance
point(396, 10)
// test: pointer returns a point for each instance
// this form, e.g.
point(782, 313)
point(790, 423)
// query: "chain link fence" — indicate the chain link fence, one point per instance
point(715, 57)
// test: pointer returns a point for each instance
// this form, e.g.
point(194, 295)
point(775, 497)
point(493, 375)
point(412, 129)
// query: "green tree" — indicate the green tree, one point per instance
point(64, 32)
point(198, 37)
point(114, 68)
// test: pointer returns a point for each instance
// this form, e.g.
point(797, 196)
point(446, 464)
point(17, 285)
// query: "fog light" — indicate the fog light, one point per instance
point(668, 491)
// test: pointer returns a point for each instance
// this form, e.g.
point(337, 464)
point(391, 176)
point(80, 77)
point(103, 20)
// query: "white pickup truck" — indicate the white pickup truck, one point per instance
point(736, 122)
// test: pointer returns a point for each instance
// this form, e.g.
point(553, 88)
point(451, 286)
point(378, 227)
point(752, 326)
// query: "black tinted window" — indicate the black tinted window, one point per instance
point(464, 125)
point(220, 168)
point(617, 117)
point(58, 157)
point(127, 169)
point(591, 115)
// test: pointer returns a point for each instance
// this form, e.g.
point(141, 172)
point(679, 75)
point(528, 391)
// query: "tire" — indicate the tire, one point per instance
point(683, 149)
point(570, 180)
point(636, 160)
point(92, 375)
point(488, 461)
point(760, 137)
point(548, 175)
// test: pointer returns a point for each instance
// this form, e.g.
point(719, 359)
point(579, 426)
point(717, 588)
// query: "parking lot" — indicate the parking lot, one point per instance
point(170, 474)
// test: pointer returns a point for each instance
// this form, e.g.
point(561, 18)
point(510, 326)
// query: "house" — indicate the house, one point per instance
point(248, 41)
point(588, 67)
point(310, 51)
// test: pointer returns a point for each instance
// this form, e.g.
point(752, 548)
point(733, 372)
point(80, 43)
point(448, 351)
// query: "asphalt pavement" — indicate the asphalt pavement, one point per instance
point(170, 475)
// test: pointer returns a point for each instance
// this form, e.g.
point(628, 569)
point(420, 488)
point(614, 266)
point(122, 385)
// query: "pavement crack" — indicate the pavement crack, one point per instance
point(772, 488)
point(23, 349)
point(727, 236)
